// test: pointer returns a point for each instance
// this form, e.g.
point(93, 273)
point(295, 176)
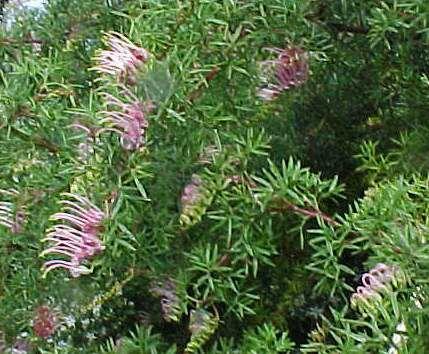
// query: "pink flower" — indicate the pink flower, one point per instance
point(374, 282)
point(86, 147)
point(170, 302)
point(11, 216)
point(127, 118)
point(45, 322)
point(191, 193)
point(122, 60)
point(76, 237)
point(290, 69)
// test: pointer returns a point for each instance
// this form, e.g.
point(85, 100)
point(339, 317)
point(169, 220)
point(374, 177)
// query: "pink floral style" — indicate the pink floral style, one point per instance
point(374, 282)
point(191, 193)
point(11, 216)
point(122, 60)
point(127, 117)
point(290, 69)
point(75, 236)
point(170, 302)
point(45, 322)
point(86, 147)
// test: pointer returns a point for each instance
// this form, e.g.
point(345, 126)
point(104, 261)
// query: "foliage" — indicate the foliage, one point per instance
point(201, 215)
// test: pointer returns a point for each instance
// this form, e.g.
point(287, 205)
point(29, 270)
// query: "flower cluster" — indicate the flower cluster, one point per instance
point(237, 179)
point(11, 216)
point(45, 322)
point(85, 148)
point(123, 59)
point(76, 236)
point(125, 114)
point(191, 193)
point(290, 69)
point(202, 325)
point(169, 300)
point(195, 199)
point(377, 280)
point(128, 118)
point(208, 154)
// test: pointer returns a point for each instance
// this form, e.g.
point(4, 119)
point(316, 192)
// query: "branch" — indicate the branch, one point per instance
point(199, 90)
point(341, 27)
point(319, 16)
point(312, 213)
point(37, 140)
point(24, 40)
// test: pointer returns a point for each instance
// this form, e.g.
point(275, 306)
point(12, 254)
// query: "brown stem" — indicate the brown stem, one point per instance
point(37, 140)
point(312, 213)
point(199, 90)
point(341, 27)
point(24, 40)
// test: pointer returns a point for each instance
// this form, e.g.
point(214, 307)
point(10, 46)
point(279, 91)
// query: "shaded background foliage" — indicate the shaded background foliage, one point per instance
point(266, 271)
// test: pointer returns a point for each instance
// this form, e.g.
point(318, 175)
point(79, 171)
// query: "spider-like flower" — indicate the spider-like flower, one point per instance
point(122, 60)
point(191, 193)
point(11, 216)
point(290, 69)
point(86, 147)
point(170, 302)
point(127, 117)
point(45, 322)
point(76, 237)
point(374, 282)
point(208, 154)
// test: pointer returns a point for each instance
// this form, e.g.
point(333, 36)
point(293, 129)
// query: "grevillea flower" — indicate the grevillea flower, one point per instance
point(86, 147)
point(169, 300)
point(195, 199)
point(122, 60)
point(21, 346)
point(290, 69)
point(45, 322)
point(76, 236)
point(374, 282)
point(237, 179)
point(127, 117)
point(208, 154)
point(191, 193)
point(202, 325)
point(11, 216)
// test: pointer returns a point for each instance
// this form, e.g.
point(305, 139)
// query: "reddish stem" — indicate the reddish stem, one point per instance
point(24, 40)
point(312, 213)
point(199, 90)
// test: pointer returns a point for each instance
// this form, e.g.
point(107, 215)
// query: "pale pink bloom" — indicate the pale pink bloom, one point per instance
point(127, 117)
point(6, 214)
point(11, 216)
point(123, 59)
point(86, 147)
point(191, 193)
point(374, 282)
point(45, 322)
point(237, 179)
point(170, 302)
point(208, 154)
point(74, 268)
point(289, 69)
point(75, 236)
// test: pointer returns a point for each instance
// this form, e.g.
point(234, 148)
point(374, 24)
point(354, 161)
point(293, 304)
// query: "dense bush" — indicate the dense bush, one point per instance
point(214, 177)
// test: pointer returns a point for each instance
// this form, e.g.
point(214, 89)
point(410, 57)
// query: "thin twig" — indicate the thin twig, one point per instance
point(312, 213)
point(199, 90)
point(24, 40)
point(37, 140)
point(341, 27)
